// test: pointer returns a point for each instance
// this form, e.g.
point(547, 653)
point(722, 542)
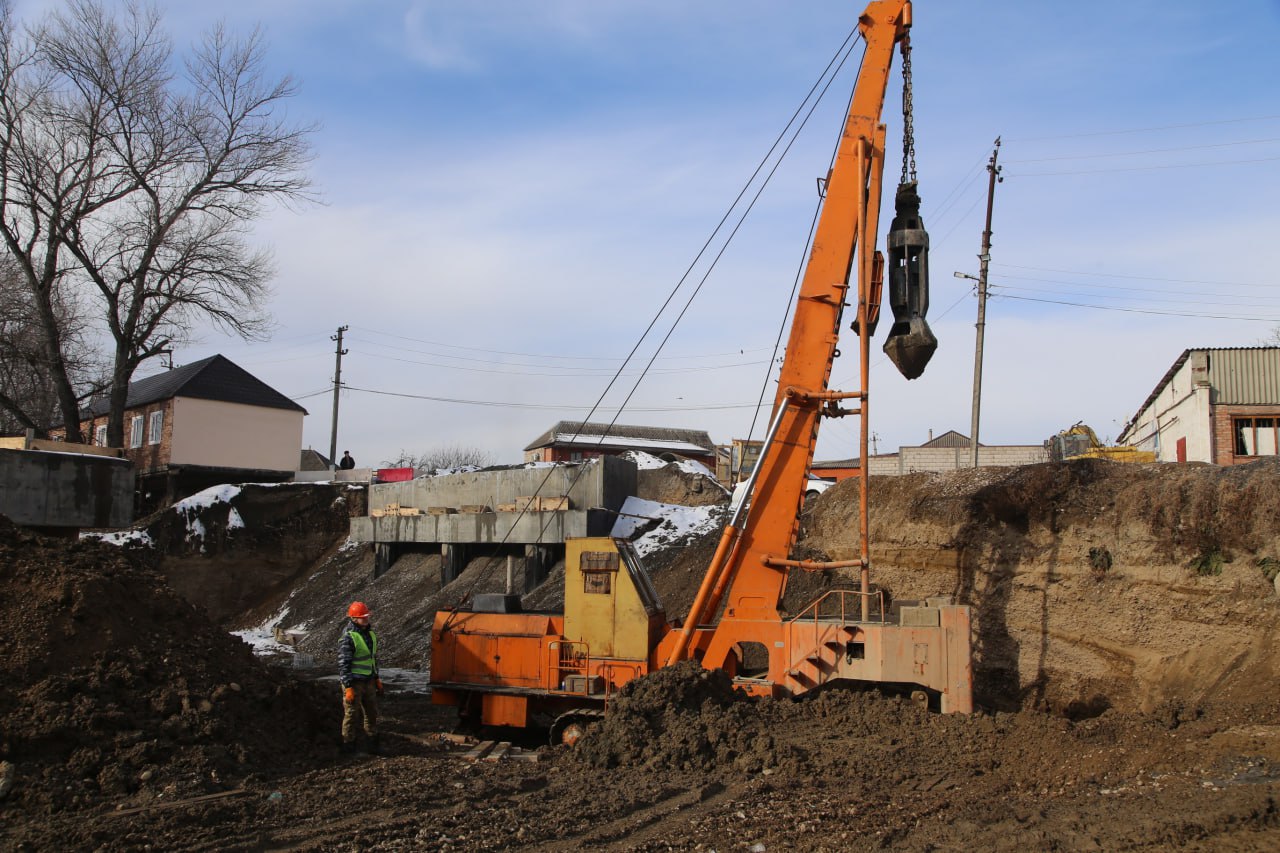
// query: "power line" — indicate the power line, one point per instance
point(1149, 151)
point(507, 365)
point(512, 370)
point(1137, 277)
point(507, 404)
point(1144, 168)
point(1111, 294)
point(592, 358)
point(1146, 129)
point(1199, 314)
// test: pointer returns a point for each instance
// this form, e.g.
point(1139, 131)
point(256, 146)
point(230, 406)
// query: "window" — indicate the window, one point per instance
point(155, 427)
point(135, 431)
point(1256, 436)
point(598, 568)
point(100, 435)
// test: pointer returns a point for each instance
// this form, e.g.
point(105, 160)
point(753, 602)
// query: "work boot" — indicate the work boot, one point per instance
point(347, 748)
point(373, 745)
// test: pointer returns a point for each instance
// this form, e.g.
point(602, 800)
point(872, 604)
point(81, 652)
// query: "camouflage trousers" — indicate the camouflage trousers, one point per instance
point(364, 710)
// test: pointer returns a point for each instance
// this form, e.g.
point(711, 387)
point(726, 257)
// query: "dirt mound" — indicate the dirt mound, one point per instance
point(227, 551)
point(117, 686)
point(1094, 584)
point(674, 484)
point(668, 719)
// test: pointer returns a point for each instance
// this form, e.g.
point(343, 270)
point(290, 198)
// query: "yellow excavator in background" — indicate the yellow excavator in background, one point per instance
point(1079, 441)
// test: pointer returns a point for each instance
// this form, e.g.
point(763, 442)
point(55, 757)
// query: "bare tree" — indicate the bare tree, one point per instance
point(138, 182)
point(447, 458)
point(28, 396)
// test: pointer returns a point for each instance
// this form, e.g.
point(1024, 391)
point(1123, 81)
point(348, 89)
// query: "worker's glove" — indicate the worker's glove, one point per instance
point(380, 689)
point(349, 695)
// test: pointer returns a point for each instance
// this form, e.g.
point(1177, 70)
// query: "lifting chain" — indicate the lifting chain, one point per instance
point(908, 124)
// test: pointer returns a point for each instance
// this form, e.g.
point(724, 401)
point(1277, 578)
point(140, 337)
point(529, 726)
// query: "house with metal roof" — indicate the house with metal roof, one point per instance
point(203, 424)
point(574, 441)
point(1212, 405)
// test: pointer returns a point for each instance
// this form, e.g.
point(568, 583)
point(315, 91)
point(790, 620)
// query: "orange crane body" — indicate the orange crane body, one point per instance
point(518, 669)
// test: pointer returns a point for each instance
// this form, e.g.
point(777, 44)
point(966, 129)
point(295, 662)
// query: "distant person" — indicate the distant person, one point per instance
point(346, 463)
point(361, 687)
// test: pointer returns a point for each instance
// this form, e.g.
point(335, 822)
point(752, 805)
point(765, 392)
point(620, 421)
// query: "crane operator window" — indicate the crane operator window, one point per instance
point(598, 569)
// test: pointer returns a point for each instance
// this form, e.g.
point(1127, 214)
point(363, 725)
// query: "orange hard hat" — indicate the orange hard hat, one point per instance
point(357, 610)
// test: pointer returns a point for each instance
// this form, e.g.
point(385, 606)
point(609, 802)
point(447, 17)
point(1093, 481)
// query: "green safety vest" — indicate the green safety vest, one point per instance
point(363, 665)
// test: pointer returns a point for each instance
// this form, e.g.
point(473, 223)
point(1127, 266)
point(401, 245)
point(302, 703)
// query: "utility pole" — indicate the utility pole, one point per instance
point(337, 386)
point(984, 260)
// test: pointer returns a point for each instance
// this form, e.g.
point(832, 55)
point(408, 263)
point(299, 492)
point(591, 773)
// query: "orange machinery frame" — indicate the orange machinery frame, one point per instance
point(836, 637)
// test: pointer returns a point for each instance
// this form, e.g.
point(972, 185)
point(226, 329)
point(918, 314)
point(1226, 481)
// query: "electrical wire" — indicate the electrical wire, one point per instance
point(507, 404)
point(1133, 277)
point(1147, 151)
point(1142, 168)
point(1198, 314)
point(1119, 289)
point(1146, 129)
point(513, 370)
point(590, 358)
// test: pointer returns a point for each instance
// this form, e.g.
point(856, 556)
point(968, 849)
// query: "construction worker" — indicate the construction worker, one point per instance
point(358, 671)
point(347, 462)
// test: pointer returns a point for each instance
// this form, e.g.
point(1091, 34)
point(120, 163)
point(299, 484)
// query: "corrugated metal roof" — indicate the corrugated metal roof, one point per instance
point(951, 438)
point(616, 433)
point(1245, 377)
point(1238, 376)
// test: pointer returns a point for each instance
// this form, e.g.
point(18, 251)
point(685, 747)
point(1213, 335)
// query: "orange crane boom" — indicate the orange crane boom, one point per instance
point(511, 668)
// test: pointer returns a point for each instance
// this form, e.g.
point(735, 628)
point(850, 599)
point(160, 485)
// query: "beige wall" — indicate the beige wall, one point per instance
point(208, 432)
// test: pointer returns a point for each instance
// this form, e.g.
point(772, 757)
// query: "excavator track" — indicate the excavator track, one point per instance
point(570, 726)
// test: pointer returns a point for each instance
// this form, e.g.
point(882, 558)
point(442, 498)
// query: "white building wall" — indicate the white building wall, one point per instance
point(233, 435)
point(910, 460)
point(1180, 411)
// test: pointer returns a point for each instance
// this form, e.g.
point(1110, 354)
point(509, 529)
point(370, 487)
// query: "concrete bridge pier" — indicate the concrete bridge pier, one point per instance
point(455, 560)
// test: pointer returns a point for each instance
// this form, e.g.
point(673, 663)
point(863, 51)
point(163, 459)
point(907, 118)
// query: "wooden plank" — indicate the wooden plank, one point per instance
point(173, 804)
point(553, 504)
point(409, 510)
point(479, 751)
point(67, 447)
point(377, 513)
point(473, 509)
point(499, 752)
point(441, 510)
point(507, 508)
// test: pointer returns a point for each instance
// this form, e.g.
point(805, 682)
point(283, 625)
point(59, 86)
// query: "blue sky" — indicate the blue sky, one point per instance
point(510, 190)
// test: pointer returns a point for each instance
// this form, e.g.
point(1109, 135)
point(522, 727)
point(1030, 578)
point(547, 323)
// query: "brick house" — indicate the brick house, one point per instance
point(573, 441)
point(199, 425)
point(1212, 405)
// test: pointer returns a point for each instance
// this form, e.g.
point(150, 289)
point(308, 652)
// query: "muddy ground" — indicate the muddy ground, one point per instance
point(1129, 700)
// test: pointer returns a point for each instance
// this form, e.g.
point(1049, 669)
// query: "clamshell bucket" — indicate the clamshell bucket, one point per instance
point(911, 343)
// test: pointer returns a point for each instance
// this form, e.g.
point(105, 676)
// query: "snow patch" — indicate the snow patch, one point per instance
point(262, 638)
point(122, 538)
point(209, 497)
point(644, 461)
point(674, 523)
